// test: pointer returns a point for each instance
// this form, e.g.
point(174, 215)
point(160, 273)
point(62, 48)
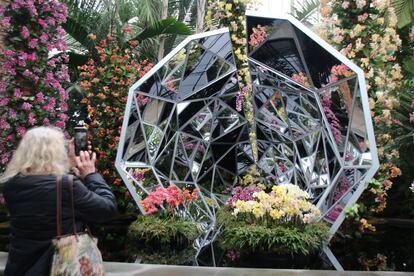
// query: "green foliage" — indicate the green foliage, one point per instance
point(304, 10)
point(104, 18)
point(160, 240)
point(352, 212)
point(404, 9)
point(280, 239)
point(179, 257)
point(156, 232)
point(166, 26)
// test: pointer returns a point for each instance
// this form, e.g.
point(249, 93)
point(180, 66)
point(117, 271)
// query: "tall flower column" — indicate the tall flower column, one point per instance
point(365, 32)
point(105, 83)
point(230, 13)
point(32, 84)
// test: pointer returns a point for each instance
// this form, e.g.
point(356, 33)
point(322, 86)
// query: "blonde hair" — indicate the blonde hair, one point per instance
point(42, 151)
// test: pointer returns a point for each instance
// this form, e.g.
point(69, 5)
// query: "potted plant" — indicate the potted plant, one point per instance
point(270, 229)
point(164, 235)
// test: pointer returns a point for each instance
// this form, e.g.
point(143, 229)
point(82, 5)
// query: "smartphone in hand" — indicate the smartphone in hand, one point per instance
point(81, 142)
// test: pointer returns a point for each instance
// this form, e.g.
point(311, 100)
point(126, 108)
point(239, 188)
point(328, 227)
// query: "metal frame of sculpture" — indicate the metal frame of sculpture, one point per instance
point(181, 123)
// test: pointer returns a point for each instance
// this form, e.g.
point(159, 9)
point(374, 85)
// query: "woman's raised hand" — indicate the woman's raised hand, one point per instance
point(85, 164)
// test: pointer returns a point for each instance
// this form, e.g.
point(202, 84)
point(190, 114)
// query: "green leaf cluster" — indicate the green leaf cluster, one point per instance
point(286, 238)
point(161, 233)
point(180, 257)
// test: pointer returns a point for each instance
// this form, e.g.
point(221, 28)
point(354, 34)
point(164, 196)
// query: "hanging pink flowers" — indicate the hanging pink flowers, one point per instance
point(32, 87)
point(412, 33)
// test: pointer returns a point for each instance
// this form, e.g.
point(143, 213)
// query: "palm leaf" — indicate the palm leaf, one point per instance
point(79, 33)
point(305, 10)
point(148, 11)
point(166, 26)
point(404, 11)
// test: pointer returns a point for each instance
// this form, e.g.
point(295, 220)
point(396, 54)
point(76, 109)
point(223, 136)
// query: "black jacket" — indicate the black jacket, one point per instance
point(31, 201)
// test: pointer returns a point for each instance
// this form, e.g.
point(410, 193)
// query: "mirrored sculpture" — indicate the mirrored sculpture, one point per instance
point(311, 116)
point(182, 127)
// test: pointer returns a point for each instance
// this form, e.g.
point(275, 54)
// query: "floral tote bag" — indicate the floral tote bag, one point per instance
point(76, 254)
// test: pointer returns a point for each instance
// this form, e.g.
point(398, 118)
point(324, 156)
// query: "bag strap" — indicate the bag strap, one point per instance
point(58, 206)
point(72, 202)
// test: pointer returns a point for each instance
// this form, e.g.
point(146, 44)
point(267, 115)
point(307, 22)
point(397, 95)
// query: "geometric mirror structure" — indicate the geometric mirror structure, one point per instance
point(182, 128)
point(312, 115)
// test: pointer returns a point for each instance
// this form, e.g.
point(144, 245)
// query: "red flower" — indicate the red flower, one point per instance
point(133, 43)
point(127, 29)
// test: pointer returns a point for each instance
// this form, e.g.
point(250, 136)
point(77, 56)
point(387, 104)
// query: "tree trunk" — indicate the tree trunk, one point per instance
point(164, 14)
point(201, 13)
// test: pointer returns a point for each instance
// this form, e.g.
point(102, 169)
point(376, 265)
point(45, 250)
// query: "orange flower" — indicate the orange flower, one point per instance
point(131, 81)
point(194, 194)
point(187, 195)
point(363, 224)
point(85, 84)
point(101, 96)
point(395, 172)
point(84, 101)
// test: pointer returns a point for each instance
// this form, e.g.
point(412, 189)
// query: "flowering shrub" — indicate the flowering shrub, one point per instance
point(244, 194)
point(365, 32)
point(164, 237)
point(230, 13)
point(31, 85)
point(285, 203)
point(105, 83)
point(169, 198)
point(281, 221)
point(259, 35)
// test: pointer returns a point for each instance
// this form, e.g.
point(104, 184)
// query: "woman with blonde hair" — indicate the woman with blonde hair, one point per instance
point(30, 194)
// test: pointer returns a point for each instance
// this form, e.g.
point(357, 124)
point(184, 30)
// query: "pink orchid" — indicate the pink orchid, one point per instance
point(24, 32)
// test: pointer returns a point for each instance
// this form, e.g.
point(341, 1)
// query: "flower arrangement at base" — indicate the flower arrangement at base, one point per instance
point(275, 223)
point(165, 235)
